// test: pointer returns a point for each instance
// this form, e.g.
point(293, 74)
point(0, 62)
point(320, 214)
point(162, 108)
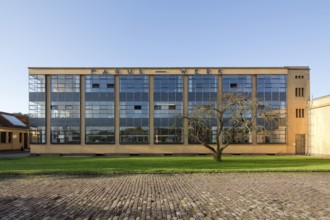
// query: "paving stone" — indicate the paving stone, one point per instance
point(166, 196)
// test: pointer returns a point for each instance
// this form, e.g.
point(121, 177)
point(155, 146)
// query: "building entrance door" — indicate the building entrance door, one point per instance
point(300, 144)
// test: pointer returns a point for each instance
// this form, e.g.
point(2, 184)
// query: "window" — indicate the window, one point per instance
point(157, 107)
point(299, 92)
point(95, 85)
point(65, 111)
point(168, 128)
point(171, 107)
point(233, 85)
point(37, 109)
point(20, 137)
point(99, 105)
point(10, 137)
point(134, 109)
point(300, 113)
point(3, 137)
point(203, 90)
point(272, 92)
point(299, 77)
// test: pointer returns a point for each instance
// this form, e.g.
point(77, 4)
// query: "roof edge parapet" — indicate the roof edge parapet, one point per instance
point(178, 67)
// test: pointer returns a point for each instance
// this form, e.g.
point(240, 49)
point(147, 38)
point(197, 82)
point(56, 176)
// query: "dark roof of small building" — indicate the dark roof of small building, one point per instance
point(8, 120)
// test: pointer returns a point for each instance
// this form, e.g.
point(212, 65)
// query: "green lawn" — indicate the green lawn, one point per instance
point(103, 165)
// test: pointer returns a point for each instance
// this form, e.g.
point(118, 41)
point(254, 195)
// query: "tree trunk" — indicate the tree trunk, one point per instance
point(217, 155)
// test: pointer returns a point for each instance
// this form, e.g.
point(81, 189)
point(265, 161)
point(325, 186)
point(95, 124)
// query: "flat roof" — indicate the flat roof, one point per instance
point(163, 70)
point(179, 67)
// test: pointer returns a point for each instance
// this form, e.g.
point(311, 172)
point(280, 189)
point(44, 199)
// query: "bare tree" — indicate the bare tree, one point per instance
point(235, 119)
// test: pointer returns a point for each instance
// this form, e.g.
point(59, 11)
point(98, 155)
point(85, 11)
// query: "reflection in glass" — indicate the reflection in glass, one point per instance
point(168, 106)
point(237, 85)
point(203, 90)
point(271, 91)
point(99, 105)
point(65, 109)
point(37, 112)
point(134, 109)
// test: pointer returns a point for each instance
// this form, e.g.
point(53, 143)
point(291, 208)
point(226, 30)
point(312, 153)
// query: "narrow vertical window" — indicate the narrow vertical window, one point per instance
point(10, 137)
point(299, 92)
point(3, 137)
point(300, 113)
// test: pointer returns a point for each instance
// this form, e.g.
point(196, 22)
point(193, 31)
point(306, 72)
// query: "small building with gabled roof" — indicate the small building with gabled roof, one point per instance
point(14, 132)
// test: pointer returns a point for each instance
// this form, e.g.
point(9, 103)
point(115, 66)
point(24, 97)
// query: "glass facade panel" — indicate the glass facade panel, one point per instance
point(237, 85)
point(99, 109)
point(271, 91)
point(37, 110)
point(134, 109)
point(168, 105)
point(65, 109)
point(203, 90)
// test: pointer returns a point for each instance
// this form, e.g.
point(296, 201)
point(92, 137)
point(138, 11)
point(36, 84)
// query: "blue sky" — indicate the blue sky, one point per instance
point(160, 33)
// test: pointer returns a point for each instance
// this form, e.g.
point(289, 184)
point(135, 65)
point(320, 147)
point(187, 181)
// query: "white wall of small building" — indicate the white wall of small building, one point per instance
point(319, 127)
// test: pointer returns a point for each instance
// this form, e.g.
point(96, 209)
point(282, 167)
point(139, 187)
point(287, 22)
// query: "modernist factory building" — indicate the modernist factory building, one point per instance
point(137, 110)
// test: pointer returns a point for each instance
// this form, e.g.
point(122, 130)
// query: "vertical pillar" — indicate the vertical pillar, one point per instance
point(48, 110)
point(151, 109)
point(219, 99)
point(117, 109)
point(185, 110)
point(254, 108)
point(82, 111)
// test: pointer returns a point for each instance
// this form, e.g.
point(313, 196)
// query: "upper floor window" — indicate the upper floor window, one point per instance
point(300, 113)
point(299, 92)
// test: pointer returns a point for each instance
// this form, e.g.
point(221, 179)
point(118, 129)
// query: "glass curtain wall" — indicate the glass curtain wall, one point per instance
point(134, 109)
point(203, 90)
point(37, 110)
point(65, 109)
point(271, 92)
point(237, 85)
point(99, 105)
point(168, 106)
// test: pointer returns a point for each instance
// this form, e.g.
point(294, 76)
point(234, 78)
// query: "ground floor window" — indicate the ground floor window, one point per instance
point(3, 137)
point(65, 135)
point(10, 137)
point(168, 136)
point(134, 135)
point(100, 135)
point(37, 135)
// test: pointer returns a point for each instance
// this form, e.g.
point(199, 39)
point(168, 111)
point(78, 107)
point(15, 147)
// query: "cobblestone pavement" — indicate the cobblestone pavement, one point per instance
point(167, 196)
